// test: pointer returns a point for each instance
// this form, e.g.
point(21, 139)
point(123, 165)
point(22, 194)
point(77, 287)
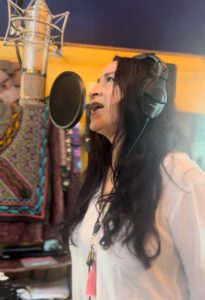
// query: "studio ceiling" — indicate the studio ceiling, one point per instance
point(160, 25)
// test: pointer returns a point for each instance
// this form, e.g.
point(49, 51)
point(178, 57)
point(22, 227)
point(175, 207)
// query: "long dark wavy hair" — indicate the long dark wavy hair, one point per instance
point(137, 180)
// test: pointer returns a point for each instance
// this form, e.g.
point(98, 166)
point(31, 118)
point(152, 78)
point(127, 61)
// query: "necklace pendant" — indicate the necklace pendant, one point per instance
point(91, 281)
point(90, 258)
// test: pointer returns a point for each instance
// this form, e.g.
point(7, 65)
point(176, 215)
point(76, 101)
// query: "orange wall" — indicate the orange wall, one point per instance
point(89, 61)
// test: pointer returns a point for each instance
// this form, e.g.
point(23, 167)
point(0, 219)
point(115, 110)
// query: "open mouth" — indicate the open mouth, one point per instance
point(94, 106)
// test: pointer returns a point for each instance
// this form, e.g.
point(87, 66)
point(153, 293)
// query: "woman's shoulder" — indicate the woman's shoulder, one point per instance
point(180, 168)
point(183, 182)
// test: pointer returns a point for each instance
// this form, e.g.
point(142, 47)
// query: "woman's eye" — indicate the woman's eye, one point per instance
point(110, 79)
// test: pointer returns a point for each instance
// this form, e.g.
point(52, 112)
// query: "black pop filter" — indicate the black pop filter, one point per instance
point(67, 99)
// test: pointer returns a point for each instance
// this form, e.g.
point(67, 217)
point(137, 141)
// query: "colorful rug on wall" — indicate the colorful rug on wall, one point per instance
point(23, 153)
point(39, 167)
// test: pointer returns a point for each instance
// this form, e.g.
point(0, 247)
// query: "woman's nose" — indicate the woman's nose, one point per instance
point(95, 91)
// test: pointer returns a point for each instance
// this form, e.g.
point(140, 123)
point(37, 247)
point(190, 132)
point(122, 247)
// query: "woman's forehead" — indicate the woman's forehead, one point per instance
point(110, 68)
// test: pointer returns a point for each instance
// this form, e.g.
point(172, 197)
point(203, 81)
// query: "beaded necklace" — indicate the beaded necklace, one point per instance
point(91, 258)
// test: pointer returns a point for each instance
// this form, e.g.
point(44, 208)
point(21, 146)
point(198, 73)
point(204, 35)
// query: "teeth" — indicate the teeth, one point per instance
point(96, 106)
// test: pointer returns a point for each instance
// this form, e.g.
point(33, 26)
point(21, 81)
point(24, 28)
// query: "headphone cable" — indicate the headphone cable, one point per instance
point(138, 137)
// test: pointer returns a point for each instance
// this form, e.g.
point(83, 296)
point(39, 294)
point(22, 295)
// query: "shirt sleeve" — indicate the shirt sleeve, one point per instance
point(187, 225)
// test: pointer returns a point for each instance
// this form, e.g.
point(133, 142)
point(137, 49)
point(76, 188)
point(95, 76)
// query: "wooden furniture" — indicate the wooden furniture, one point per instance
point(15, 266)
point(15, 270)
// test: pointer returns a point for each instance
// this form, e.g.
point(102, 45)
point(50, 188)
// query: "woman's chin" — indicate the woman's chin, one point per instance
point(94, 128)
point(97, 129)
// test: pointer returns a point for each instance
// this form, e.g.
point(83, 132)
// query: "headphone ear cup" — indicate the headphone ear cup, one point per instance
point(153, 96)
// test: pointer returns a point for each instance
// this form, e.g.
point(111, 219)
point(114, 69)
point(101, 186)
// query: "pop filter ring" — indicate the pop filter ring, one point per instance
point(63, 83)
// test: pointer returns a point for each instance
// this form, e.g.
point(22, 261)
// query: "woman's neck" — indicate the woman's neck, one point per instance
point(109, 180)
point(108, 183)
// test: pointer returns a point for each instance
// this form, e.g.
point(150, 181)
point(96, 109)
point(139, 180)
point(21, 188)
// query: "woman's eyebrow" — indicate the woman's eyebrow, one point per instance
point(108, 74)
point(105, 76)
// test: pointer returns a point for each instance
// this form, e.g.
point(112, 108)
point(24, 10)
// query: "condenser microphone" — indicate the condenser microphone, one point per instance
point(36, 29)
point(35, 55)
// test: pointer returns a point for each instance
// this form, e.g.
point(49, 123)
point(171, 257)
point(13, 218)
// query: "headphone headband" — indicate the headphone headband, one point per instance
point(162, 69)
point(150, 56)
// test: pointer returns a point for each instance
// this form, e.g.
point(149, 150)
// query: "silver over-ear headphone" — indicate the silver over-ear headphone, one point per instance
point(153, 92)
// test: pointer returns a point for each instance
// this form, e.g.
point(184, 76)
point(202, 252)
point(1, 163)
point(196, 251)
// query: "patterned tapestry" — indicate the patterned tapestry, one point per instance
point(38, 182)
point(23, 158)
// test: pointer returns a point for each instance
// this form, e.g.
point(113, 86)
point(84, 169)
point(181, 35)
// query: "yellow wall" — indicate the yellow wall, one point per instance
point(89, 61)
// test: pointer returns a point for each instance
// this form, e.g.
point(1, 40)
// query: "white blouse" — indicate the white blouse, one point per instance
point(178, 273)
